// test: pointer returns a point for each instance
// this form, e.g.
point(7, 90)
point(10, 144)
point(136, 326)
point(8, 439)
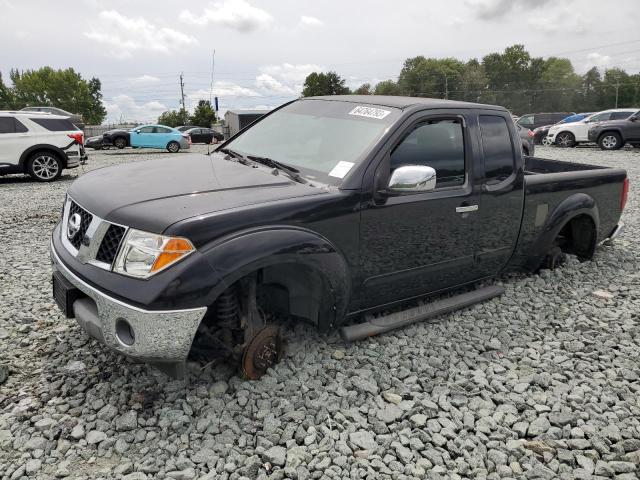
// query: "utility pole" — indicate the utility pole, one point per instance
point(184, 108)
point(446, 86)
point(617, 87)
point(213, 63)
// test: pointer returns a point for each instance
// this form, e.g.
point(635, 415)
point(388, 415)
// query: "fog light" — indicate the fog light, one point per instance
point(125, 332)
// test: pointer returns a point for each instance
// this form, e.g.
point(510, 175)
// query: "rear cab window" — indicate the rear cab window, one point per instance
point(55, 124)
point(497, 148)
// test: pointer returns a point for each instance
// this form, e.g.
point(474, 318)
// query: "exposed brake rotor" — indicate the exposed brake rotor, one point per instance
point(263, 351)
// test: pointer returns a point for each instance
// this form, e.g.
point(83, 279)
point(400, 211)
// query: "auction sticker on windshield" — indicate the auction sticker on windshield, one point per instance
point(341, 169)
point(370, 112)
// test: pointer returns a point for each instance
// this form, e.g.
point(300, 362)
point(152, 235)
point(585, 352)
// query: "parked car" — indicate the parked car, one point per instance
point(111, 138)
point(526, 137)
point(535, 120)
point(184, 128)
point(75, 118)
point(613, 134)
point(204, 135)
point(159, 136)
point(324, 209)
point(540, 133)
point(41, 145)
point(572, 134)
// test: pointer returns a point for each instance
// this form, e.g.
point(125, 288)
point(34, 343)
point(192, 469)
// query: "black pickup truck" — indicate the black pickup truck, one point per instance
point(324, 210)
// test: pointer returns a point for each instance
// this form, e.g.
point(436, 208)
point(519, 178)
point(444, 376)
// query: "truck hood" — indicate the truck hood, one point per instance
point(154, 194)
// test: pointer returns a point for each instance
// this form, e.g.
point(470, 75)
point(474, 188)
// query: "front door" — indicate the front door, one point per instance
point(417, 243)
point(142, 137)
point(14, 140)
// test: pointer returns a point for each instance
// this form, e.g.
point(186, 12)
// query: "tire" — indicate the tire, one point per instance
point(44, 166)
point(554, 259)
point(173, 146)
point(610, 141)
point(545, 141)
point(120, 143)
point(566, 140)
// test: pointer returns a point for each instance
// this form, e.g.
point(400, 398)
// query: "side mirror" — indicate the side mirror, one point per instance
point(136, 131)
point(634, 118)
point(412, 179)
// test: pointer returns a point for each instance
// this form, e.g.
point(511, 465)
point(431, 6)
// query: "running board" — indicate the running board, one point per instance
point(375, 326)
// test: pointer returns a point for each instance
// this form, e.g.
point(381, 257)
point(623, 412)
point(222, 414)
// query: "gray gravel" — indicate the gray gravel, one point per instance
point(542, 382)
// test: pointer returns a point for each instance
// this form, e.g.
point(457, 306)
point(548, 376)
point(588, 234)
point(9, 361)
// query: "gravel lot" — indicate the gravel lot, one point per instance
point(542, 382)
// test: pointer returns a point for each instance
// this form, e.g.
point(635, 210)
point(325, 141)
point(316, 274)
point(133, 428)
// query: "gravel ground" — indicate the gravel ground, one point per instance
point(542, 382)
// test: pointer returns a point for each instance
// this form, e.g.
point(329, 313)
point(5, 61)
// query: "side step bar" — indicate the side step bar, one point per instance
point(375, 326)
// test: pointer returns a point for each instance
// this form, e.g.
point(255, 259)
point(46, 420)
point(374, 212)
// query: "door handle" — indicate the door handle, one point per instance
point(466, 208)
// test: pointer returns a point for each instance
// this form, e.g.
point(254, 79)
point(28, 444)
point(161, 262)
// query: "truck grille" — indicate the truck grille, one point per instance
point(110, 244)
point(85, 221)
point(89, 238)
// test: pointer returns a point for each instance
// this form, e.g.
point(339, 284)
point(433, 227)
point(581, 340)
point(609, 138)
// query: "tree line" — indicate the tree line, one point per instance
point(47, 87)
point(203, 116)
point(513, 79)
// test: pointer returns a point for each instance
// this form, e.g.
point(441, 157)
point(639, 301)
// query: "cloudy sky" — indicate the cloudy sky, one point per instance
point(265, 48)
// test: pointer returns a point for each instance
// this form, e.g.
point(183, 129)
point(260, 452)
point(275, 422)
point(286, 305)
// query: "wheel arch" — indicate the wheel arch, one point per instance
point(22, 162)
point(611, 130)
point(579, 207)
point(294, 251)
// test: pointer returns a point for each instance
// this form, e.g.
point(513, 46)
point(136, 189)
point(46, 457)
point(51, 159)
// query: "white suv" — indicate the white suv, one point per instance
point(39, 144)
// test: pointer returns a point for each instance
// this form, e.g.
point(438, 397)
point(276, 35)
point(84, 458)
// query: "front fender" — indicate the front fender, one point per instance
point(571, 207)
point(237, 255)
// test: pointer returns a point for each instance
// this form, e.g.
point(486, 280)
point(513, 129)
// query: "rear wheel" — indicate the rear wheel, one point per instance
point(120, 143)
point(565, 140)
point(173, 147)
point(610, 141)
point(44, 166)
point(545, 141)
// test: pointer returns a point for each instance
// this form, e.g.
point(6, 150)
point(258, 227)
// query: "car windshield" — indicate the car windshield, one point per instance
point(323, 139)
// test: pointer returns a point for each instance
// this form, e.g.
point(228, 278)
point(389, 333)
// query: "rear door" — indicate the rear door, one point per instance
point(632, 128)
point(417, 243)
point(502, 194)
point(14, 140)
point(162, 136)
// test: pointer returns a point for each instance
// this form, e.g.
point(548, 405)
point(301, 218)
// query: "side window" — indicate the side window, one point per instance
point(19, 126)
point(162, 130)
point(146, 130)
point(497, 148)
point(602, 117)
point(438, 144)
point(620, 115)
point(526, 120)
point(6, 125)
point(55, 124)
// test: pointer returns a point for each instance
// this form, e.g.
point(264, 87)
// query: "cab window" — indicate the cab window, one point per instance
point(438, 144)
point(497, 148)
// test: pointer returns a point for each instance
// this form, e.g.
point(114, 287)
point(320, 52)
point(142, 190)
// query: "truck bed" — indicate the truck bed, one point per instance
point(549, 183)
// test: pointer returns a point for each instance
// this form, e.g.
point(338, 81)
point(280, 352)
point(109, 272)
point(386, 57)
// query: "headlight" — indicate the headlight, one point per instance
point(144, 254)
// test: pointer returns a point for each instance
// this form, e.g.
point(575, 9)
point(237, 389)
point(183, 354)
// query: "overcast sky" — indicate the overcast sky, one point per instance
point(265, 48)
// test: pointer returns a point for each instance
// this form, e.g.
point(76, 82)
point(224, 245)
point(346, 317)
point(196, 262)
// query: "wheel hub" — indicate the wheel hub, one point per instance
point(263, 351)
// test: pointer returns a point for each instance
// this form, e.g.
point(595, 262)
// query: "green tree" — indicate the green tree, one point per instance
point(387, 87)
point(204, 115)
point(431, 77)
point(590, 97)
point(364, 89)
point(173, 118)
point(6, 96)
point(64, 89)
point(324, 84)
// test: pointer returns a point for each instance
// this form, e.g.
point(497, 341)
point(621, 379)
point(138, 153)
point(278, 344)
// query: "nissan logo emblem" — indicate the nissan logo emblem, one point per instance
point(73, 225)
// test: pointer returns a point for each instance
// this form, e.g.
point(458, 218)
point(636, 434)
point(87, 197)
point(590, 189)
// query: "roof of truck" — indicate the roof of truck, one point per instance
point(404, 102)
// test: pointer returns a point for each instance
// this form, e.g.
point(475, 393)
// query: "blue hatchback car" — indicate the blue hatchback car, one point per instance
point(159, 136)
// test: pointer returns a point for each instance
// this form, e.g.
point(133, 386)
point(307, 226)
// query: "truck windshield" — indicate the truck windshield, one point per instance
point(323, 139)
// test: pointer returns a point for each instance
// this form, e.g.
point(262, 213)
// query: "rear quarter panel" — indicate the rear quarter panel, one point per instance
point(544, 194)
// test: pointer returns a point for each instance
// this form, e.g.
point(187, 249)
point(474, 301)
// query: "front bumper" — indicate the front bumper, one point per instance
point(158, 336)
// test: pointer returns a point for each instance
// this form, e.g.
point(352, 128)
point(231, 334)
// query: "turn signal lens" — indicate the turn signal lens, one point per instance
point(172, 251)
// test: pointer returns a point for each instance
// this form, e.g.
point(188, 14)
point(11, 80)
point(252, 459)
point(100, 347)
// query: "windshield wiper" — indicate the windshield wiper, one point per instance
point(288, 169)
point(238, 156)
